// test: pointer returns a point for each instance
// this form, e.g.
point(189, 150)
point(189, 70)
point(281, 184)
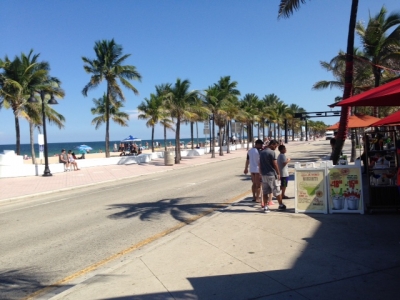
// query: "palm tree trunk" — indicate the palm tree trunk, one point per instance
point(292, 130)
point(263, 128)
point(228, 142)
point(152, 138)
point(192, 134)
point(212, 142)
point(220, 141)
point(197, 133)
point(108, 122)
point(31, 139)
point(165, 138)
point(17, 134)
point(348, 85)
point(177, 140)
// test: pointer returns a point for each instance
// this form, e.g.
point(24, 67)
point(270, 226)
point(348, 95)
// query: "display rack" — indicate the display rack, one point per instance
point(381, 169)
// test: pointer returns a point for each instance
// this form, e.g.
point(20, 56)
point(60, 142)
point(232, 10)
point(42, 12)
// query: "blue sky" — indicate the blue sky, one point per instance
point(196, 40)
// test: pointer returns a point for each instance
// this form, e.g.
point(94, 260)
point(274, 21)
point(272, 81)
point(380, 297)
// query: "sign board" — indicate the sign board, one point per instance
point(310, 190)
point(206, 131)
point(345, 189)
point(206, 125)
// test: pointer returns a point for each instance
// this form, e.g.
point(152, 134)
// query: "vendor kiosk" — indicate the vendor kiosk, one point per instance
point(382, 166)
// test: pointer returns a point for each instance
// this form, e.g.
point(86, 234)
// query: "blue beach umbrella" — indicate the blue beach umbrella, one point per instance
point(83, 148)
point(131, 139)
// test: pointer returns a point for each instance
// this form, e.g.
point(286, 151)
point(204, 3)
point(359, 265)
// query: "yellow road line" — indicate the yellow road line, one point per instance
point(132, 248)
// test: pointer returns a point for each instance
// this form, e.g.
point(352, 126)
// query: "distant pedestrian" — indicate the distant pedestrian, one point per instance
point(252, 160)
point(283, 162)
point(270, 174)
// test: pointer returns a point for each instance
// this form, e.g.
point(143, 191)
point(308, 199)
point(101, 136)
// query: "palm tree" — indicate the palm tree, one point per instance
point(18, 78)
point(250, 114)
point(229, 95)
point(99, 109)
point(270, 101)
point(108, 66)
point(212, 101)
point(177, 102)
point(161, 91)
point(286, 8)
point(152, 111)
point(381, 50)
point(295, 123)
point(282, 111)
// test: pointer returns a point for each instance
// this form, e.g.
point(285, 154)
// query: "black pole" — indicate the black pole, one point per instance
point(46, 158)
point(306, 130)
point(286, 128)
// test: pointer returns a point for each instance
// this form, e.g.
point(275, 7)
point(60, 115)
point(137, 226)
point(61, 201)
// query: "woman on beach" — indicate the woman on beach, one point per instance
point(72, 161)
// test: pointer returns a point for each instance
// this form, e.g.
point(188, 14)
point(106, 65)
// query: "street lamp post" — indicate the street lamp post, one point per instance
point(52, 100)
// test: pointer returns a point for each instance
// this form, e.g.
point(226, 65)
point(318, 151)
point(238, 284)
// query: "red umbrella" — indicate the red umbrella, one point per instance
point(392, 119)
point(384, 95)
point(357, 121)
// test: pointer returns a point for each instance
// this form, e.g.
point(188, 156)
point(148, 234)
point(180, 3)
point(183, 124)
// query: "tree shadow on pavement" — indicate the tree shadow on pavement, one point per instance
point(179, 208)
point(15, 284)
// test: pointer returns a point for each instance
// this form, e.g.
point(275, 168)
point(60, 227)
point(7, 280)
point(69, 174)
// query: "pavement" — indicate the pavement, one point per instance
point(238, 252)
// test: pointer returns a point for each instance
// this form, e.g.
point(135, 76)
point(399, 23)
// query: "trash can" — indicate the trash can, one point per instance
point(169, 158)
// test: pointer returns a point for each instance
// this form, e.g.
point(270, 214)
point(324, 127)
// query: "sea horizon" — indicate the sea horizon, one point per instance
point(98, 146)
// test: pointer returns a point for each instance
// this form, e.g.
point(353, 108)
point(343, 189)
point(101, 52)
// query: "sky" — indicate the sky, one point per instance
point(198, 40)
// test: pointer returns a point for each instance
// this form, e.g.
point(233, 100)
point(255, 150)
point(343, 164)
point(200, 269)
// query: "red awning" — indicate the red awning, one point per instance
point(357, 121)
point(392, 119)
point(384, 95)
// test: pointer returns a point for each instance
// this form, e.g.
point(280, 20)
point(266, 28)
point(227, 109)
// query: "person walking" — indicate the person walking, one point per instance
point(252, 160)
point(283, 162)
point(269, 171)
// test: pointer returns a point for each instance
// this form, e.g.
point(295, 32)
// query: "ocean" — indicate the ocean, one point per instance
point(55, 148)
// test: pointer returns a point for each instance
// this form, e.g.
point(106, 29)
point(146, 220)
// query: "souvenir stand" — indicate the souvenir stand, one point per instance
point(382, 166)
point(310, 188)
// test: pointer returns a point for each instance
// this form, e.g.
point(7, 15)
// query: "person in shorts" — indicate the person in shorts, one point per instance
point(252, 162)
point(283, 162)
point(269, 171)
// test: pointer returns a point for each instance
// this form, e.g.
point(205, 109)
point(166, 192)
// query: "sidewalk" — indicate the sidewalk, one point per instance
point(240, 252)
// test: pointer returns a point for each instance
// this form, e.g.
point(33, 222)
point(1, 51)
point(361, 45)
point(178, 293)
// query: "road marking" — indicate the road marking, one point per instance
point(133, 248)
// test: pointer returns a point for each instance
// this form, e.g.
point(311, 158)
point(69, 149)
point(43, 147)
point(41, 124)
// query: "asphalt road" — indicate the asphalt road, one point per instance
point(48, 238)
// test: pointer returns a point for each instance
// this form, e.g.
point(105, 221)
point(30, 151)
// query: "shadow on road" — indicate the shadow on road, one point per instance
point(179, 208)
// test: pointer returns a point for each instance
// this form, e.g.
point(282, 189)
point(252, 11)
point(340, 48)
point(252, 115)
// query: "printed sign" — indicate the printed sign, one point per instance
point(345, 190)
point(310, 191)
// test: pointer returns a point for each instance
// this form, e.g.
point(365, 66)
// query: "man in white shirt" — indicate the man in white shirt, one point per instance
point(252, 160)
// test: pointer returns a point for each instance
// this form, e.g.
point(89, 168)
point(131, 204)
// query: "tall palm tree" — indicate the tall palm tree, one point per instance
point(18, 78)
point(295, 123)
point(161, 92)
point(177, 101)
point(108, 66)
point(270, 101)
point(286, 8)
point(212, 100)
point(152, 111)
point(282, 111)
point(229, 95)
point(380, 48)
point(250, 114)
point(99, 109)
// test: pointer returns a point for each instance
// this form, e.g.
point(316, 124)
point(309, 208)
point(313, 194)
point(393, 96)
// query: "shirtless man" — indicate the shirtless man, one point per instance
point(252, 161)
